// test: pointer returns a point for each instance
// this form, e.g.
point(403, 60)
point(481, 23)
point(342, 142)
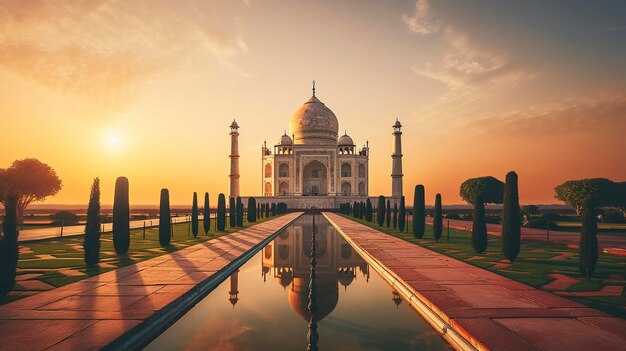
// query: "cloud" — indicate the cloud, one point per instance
point(420, 22)
point(465, 63)
point(104, 51)
point(606, 112)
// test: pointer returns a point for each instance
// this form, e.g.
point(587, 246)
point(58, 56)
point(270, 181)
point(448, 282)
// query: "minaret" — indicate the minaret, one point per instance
point(234, 159)
point(234, 288)
point(396, 160)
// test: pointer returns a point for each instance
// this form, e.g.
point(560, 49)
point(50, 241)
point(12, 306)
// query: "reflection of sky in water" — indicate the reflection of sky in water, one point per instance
point(356, 307)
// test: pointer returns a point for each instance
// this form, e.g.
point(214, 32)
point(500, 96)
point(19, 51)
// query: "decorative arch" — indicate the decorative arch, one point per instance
point(362, 189)
point(346, 170)
point(283, 189)
point(283, 170)
point(361, 170)
point(346, 189)
point(268, 189)
point(268, 170)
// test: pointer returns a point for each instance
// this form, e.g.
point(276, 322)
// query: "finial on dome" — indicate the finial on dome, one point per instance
point(345, 132)
point(313, 87)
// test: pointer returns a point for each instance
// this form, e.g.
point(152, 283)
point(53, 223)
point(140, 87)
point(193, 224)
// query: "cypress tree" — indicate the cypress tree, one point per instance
point(121, 216)
point(258, 211)
point(194, 215)
point(239, 212)
point(91, 241)
point(588, 245)
point(402, 215)
point(388, 214)
point(165, 215)
point(8, 245)
point(479, 226)
point(251, 209)
point(221, 212)
point(355, 210)
point(273, 209)
point(380, 214)
point(206, 213)
point(232, 212)
point(437, 219)
point(419, 212)
point(395, 215)
point(368, 209)
point(511, 218)
point(267, 211)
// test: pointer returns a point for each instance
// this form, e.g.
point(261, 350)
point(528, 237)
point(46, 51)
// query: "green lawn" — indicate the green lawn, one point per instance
point(613, 229)
point(59, 261)
point(533, 266)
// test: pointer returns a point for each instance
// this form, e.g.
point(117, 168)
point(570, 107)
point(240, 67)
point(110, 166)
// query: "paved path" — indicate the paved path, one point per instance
point(606, 243)
point(55, 232)
point(478, 309)
point(95, 312)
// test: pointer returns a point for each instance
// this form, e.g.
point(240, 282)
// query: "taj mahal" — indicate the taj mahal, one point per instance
point(313, 166)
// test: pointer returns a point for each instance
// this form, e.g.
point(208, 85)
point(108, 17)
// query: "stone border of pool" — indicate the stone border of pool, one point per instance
point(153, 326)
point(456, 339)
point(127, 307)
point(475, 309)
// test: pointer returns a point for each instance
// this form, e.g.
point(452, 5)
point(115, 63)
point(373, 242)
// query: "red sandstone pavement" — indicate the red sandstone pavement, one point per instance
point(491, 311)
point(607, 243)
point(92, 313)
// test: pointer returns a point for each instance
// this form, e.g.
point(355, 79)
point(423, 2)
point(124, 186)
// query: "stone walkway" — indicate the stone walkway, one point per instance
point(101, 310)
point(614, 245)
point(478, 309)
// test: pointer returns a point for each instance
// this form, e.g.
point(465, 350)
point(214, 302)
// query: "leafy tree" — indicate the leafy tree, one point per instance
point(121, 216)
point(194, 215)
point(380, 214)
point(395, 215)
point(419, 212)
point(206, 214)
point(490, 190)
point(437, 218)
point(529, 210)
point(511, 218)
point(388, 214)
point(603, 192)
point(252, 209)
point(165, 215)
point(369, 214)
point(91, 240)
point(64, 217)
point(588, 246)
point(30, 180)
point(239, 212)
point(8, 242)
point(221, 212)
point(479, 226)
point(401, 215)
point(232, 212)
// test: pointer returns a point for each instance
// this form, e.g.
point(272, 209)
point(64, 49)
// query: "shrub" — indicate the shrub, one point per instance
point(437, 218)
point(8, 245)
point(453, 216)
point(402, 215)
point(121, 216)
point(221, 212)
point(540, 223)
point(613, 216)
point(64, 217)
point(380, 211)
point(252, 210)
point(194, 215)
point(91, 241)
point(511, 230)
point(551, 216)
point(419, 212)
point(165, 223)
point(206, 213)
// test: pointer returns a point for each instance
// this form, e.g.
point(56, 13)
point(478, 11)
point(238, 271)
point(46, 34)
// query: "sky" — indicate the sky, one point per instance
point(147, 89)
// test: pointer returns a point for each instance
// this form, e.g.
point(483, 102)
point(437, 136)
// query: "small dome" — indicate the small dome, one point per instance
point(345, 139)
point(285, 140)
point(397, 124)
point(234, 125)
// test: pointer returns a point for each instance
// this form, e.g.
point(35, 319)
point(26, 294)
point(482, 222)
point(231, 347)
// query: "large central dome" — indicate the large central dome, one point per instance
point(314, 123)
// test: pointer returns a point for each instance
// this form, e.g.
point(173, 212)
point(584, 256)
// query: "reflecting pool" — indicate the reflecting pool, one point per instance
point(267, 304)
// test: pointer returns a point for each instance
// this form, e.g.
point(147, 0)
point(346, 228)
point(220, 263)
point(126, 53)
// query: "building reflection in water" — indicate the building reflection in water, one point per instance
point(288, 260)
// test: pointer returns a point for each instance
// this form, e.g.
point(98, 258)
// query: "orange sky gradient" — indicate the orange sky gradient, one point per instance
point(147, 89)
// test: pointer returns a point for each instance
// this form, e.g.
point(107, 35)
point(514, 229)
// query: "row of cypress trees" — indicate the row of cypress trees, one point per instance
point(385, 215)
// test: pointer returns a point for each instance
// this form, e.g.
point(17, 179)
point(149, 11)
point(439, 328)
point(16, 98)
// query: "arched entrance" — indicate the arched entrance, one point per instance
point(314, 179)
